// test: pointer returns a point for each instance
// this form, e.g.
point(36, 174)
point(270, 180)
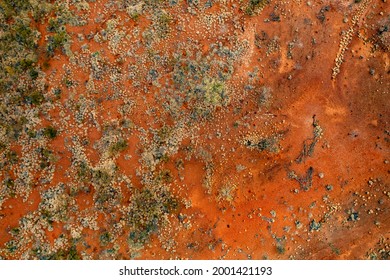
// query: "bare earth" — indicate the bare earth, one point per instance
point(199, 130)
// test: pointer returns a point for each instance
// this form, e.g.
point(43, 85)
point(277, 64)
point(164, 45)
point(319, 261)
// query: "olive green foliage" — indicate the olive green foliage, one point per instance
point(164, 176)
point(54, 205)
point(147, 211)
point(280, 248)
point(101, 177)
point(47, 157)
point(11, 8)
point(203, 83)
point(155, 3)
point(214, 92)
point(118, 146)
point(13, 126)
point(161, 22)
point(20, 70)
point(15, 231)
point(255, 5)
point(105, 238)
point(58, 36)
point(11, 246)
point(50, 132)
point(10, 187)
point(68, 254)
point(34, 98)
point(11, 157)
point(18, 44)
point(57, 41)
point(84, 173)
point(105, 192)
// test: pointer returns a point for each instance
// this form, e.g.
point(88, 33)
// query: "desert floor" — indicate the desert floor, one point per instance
point(198, 129)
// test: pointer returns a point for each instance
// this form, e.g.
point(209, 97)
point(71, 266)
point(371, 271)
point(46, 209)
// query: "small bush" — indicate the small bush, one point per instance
point(118, 147)
point(254, 5)
point(34, 98)
point(50, 132)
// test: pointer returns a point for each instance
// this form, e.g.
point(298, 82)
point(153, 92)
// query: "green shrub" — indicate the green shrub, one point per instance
point(34, 98)
point(118, 147)
point(146, 213)
point(50, 132)
point(254, 5)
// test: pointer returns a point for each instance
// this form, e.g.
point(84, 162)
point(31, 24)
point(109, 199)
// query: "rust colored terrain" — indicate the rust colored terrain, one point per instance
point(203, 129)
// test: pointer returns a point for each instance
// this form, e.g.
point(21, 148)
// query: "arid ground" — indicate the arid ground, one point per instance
point(194, 129)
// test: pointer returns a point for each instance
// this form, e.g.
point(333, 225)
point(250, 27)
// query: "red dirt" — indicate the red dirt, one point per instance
point(253, 208)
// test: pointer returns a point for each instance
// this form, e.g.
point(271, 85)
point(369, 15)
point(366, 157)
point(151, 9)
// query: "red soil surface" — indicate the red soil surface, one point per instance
point(235, 200)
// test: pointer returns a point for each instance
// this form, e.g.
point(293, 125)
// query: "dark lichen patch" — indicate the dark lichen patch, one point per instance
point(353, 216)
point(314, 225)
point(309, 144)
point(305, 181)
point(280, 248)
point(261, 39)
point(269, 144)
point(329, 187)
point(321, 14)
point(274, 17)
point(335, 249)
